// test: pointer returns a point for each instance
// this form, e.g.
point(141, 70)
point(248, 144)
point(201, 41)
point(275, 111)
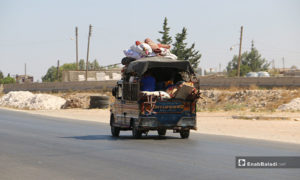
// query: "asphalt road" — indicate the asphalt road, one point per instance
point(37, 147)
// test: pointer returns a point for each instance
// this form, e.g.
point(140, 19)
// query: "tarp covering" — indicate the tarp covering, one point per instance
point(140, 66)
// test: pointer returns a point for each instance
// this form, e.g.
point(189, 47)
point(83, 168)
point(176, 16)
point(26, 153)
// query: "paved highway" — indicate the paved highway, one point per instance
point(37, 147)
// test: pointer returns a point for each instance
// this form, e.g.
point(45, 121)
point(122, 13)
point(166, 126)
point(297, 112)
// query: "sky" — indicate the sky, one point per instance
point(40, 32)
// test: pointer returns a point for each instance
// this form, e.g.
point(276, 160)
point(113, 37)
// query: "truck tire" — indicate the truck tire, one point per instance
point(115, 131)
point(99, 97)
point(162, 132)
point(184, 134)
point(136, 133)
point(99, 101)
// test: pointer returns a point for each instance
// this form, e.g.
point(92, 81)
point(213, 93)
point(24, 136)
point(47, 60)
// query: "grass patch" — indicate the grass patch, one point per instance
point(234, 107)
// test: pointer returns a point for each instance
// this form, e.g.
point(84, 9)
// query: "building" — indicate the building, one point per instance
point(293, 72)
point(102, 75)
point(24, 79)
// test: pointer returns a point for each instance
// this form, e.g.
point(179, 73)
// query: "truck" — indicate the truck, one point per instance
point(160, 110)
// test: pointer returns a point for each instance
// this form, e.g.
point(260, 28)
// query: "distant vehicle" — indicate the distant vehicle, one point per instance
point(263, 74)
point(143, 111)
point(258, 74)
point(252, 74)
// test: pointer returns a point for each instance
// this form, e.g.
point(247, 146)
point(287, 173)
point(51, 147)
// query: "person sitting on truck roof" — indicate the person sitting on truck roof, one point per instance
point(148, 82)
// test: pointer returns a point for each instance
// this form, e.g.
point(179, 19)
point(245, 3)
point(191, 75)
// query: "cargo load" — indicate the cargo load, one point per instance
point(149, 48)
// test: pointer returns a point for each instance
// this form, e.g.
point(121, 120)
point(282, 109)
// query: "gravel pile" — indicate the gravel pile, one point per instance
point(294, 105)
point(252, 100)
point(27, 100)
point(77, 101)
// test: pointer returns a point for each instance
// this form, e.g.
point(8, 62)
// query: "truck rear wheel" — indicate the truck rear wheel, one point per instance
point(162, 132)
point(115, 131)
point(99, 101)
point(136, 133)
point(184, 134)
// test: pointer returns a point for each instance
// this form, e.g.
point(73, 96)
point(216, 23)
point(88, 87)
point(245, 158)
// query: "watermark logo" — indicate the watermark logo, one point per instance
point(267, 162)
point(242, 162)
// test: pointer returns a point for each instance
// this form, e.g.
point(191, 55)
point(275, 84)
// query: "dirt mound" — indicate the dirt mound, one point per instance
point(80, 100)
point(28, 100)
point(294, 105)
point(250, 100)
point(77, 101)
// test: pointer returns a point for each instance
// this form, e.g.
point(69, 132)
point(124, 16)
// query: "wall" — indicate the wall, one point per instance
point(61, 86)
point(112, 74)
point(205, 82)
point(268, 82)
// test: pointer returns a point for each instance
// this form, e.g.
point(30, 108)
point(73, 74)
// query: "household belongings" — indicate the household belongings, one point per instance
point(161, 94)
point(183, 91)
point(148, 83)
point(149, 48)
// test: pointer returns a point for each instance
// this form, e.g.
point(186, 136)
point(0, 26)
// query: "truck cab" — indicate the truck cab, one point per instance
point(170, 105)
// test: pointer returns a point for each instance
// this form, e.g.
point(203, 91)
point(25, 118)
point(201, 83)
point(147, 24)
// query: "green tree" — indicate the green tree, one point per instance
point(180, 45)
point(1, 75)
point(51, 75)
point(193, 56)
point(166, 38)
point(8, 80)
point(183, 52)
point(250, 62)
point(81, 64)
point(95, 65)
point(68, 66)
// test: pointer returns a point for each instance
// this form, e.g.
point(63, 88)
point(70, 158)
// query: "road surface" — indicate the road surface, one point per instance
point(37, 147)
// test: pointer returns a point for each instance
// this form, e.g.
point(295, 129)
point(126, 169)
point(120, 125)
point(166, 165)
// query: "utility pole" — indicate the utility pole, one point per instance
point(87, 55)
point(25, 70)
point(76, 34)
point(57, 72)
point(283, 64)
point(240, 52)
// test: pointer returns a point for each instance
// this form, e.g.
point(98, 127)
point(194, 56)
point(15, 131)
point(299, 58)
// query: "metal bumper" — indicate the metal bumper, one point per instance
point(153, 123)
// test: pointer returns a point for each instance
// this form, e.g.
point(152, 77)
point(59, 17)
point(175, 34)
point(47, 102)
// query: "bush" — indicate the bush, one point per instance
point(7, 80)
point(1, 75)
